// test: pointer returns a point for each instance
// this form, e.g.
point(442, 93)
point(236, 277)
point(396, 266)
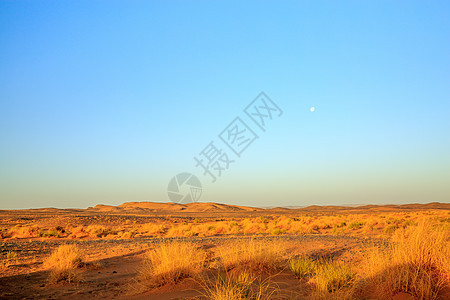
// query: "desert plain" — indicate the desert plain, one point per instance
point(146, 250)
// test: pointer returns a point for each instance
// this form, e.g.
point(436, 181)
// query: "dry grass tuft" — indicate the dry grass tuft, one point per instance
point(242, 286)
point(251, 255)
point(332, 277)
point(170, 262)
point(64, 262)
point(302, 267)
point(11, 256)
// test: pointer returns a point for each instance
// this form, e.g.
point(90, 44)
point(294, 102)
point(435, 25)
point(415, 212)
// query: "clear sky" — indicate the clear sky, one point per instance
point(105, 101)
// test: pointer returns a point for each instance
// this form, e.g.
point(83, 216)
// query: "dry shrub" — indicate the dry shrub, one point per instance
point(223, 227)
point(298, 227)
point(78, 232)
point(98, 231)
point(64, 262)
point(251, 255)
point(170, 262)
point(204, 229)
point(153, 229)
point(50, 232)
point(24, 231)
point(418, 263)
point(284, 222)
point(253, 228)
point(180, 231)
point(356, 225)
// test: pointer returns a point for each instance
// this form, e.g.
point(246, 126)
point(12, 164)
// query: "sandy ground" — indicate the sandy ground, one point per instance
point(113, 263)
point(120, 260)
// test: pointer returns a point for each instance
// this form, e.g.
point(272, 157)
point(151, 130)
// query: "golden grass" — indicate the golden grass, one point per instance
point(244, 285)
point(331, 276)
point(377, 224)
point(418, 263)
point(64, 262)
point(302, 267)
point(251, 254)
point(170, 262)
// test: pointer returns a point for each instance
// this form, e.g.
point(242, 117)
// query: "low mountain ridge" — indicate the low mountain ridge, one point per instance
point(175, 207)
point(197, 207)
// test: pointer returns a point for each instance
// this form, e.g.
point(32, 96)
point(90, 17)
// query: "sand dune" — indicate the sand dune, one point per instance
point(198, 207)
point(174, 207)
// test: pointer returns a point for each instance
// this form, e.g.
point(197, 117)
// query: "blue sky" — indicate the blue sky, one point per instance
point(105, 101)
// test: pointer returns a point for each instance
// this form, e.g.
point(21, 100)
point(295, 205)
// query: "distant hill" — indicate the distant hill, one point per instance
point(219, 209)
point(175, 207)
point(198, 207)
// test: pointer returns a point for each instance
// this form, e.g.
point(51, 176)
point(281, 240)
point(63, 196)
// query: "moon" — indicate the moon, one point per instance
point(312, 109)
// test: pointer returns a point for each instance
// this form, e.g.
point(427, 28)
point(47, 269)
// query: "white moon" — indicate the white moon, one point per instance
point(312, 109)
